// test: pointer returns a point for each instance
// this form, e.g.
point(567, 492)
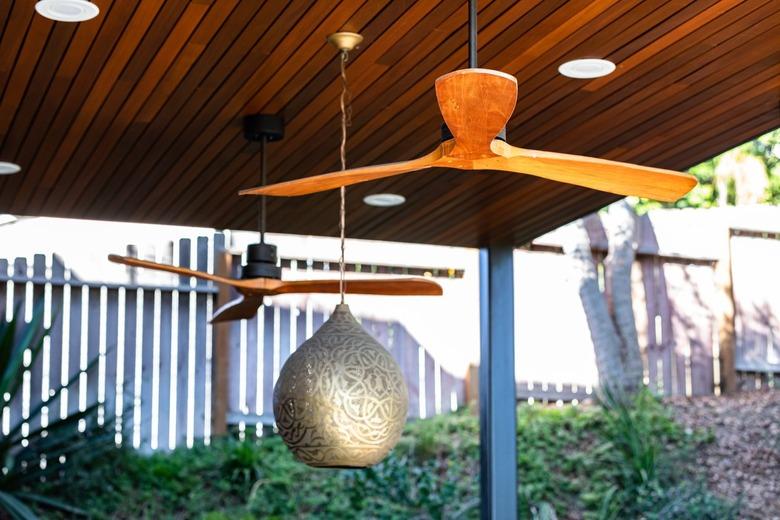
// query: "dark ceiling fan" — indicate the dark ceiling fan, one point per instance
point(261, 276)
point(476, 105)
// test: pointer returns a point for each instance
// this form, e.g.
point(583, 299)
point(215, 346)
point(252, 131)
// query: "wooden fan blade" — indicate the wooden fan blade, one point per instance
point(242, 308)
point(599, 174)
point(475, 104)
point(390, 287)
point(146, 264)
point(329, 181)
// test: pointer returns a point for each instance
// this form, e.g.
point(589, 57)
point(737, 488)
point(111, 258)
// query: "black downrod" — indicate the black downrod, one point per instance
point(472, 34)
point(263, 166)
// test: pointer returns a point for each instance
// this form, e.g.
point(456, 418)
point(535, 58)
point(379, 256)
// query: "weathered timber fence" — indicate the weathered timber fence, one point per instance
point(155, 351)
point(679, 324)
point(155, 347)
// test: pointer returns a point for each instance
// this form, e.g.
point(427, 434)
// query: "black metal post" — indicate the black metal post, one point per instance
point(472, 34)
point(497, 402)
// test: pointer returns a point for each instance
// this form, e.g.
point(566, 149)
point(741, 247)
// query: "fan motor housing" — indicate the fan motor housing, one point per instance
point(261, 262)
point(446, 133)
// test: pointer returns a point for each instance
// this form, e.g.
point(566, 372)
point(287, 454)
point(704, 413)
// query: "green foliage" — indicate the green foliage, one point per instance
point(619, 460)
point(705, 194)
point(42, 453)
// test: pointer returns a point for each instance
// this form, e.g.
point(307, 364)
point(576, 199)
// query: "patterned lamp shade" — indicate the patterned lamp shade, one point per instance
point(340, 400)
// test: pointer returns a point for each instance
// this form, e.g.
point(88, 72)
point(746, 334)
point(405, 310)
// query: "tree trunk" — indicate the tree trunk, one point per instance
point(602, 329)
point(621, 230)
point(610, 316)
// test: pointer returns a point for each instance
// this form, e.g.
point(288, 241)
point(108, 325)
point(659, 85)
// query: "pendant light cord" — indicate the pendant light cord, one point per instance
point(346, 113)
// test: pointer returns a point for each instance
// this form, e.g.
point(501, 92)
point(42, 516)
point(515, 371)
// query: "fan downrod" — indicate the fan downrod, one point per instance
point(261, 258)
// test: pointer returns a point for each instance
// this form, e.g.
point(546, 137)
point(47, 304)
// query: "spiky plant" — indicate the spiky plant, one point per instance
point(28, 458)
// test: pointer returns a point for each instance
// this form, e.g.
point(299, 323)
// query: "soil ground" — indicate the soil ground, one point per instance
point(743, 461)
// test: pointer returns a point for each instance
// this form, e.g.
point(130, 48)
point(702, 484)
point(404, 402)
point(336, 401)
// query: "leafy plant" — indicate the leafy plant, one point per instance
point(30, 457)
point(651, 451)
point(593, 462)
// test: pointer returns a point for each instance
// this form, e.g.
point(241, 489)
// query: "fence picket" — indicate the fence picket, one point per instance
point(36, 390)
point(429, 380)
point(268, 358)
point(185, 316)
point(166, 351)
point(126, 400)
point(17, 291)
point(57, 279)
point(94, 328)
point(147, 368)
point(73, 342)
point(111, 353)
point(202, 315)
point(251, 372)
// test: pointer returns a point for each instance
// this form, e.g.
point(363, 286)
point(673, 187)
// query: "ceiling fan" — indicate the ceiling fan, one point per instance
point(261, 276)
point(476, 105)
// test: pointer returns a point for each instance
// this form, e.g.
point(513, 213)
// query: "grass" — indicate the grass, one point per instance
point(612, 461)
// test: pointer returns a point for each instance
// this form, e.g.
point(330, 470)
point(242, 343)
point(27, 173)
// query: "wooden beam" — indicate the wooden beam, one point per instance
point(220, 361)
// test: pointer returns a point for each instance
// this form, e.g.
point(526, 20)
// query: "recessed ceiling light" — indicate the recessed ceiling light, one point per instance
point(9, 168)
point(587, 68)
point(384, 200)
point(67, 10)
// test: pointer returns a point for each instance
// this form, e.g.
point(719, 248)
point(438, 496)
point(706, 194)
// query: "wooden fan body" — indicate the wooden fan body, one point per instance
point(476, 105)
point(253, 290)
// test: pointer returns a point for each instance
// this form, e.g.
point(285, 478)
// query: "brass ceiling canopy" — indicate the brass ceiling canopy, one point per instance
point(340, 400)
point(345, 41)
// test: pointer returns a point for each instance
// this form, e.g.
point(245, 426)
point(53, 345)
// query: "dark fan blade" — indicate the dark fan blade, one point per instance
point(242, 308)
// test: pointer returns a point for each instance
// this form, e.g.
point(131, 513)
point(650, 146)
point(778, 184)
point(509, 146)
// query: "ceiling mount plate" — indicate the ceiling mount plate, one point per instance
point(257, 126)
point(345, 41)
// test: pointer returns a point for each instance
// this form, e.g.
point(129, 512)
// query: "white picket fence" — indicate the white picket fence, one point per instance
point(154, 348)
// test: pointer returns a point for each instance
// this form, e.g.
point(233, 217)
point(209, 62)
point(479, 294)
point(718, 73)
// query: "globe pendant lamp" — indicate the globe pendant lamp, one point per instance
point(340, 400)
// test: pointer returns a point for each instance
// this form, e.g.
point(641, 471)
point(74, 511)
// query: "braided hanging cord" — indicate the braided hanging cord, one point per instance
point(346, 116)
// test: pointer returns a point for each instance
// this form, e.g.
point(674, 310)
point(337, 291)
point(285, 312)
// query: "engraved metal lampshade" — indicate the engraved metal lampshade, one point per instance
point(340, 400)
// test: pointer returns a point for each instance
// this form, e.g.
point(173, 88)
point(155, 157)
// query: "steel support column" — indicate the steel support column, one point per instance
point(497, 415)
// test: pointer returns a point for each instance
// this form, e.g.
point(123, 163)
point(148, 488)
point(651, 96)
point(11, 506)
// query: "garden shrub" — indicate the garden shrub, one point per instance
point(626, 461)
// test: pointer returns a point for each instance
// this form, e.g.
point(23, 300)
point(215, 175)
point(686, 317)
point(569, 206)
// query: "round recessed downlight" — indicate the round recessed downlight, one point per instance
point(9, 168)
point(384, 200)
point(587, 68)
point(67, 10)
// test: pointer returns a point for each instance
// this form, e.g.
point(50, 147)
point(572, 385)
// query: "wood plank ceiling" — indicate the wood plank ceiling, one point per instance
point(136, 115)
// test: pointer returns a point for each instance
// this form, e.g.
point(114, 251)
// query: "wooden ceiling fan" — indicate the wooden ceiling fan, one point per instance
point(261, 276)
point(476, 105)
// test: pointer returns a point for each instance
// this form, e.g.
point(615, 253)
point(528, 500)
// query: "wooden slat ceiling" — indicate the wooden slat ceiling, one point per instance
point(136, 115)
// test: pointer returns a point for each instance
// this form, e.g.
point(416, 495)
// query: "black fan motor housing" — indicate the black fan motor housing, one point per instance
point(261, 262)
point(446, 133)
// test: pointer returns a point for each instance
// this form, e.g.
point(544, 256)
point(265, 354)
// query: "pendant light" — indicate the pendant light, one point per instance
point(340, 400)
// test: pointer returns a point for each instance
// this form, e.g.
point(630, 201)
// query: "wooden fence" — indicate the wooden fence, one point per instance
point(676, 306)
point(155, 347)
point(155, 351)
